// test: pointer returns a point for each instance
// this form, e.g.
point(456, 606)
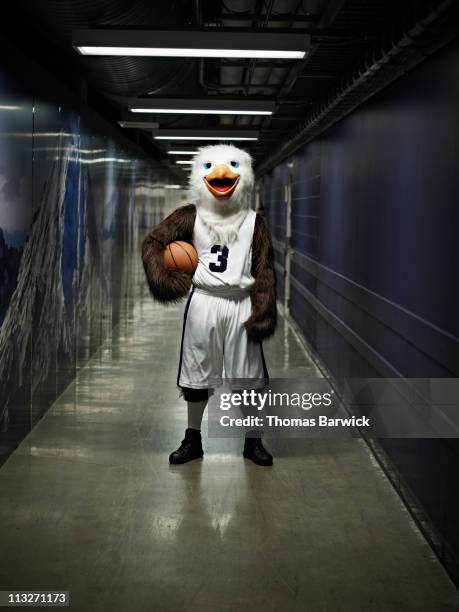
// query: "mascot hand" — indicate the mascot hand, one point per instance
point(172, 285)
point(260, 328)
point(167, 285)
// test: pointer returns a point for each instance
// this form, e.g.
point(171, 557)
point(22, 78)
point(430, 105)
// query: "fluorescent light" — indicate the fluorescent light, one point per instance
point(182, 152)
point(175, 52)
point(184, 161)
point(203, 137)
point(221, 134)
point(173, 186)
point(195, 111)
point(213, 105)
point(269, 44)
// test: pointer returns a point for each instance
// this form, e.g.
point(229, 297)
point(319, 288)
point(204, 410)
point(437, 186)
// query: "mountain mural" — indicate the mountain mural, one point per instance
point(61, 291)
point(10, 258)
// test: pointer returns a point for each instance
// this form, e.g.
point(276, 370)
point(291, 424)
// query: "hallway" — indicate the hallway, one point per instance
point(91, 505)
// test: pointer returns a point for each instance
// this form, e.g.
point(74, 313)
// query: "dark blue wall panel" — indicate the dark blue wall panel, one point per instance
point(374, 270)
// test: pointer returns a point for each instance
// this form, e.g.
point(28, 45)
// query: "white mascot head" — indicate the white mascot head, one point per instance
point(221, 184)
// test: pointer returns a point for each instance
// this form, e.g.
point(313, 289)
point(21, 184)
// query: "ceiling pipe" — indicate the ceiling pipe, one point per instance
point(278, 96)
point(170, 81)
point(249, 69)
point(348, 97)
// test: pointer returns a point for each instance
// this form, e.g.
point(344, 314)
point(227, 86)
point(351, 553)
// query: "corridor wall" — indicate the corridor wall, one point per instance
point(375, 258)
point(68, 225)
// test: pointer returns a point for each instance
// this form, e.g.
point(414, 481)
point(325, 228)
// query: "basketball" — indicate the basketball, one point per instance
point(181, 255)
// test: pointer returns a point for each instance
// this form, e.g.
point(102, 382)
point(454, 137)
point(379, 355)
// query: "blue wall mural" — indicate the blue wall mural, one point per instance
point(68, 228)
point(375, 239)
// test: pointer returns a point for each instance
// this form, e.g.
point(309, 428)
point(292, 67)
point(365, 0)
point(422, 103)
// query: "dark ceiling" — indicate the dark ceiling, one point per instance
point(346, 35)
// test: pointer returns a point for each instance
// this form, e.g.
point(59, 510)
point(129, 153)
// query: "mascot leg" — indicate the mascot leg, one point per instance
point(191, 446)
point(256, 452)
point(200, 360)
point(195, 414)
point(189, 449)
point(253, 445)
point(244, 360)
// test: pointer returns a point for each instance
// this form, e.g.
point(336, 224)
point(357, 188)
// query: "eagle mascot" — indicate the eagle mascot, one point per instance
point(231, 305)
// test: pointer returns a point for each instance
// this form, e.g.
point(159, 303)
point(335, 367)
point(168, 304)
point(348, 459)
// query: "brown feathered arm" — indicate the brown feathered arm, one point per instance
point(262, 322)
point(168, 285)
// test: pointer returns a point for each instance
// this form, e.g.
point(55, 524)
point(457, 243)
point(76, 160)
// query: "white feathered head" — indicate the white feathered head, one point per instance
point(221, 179)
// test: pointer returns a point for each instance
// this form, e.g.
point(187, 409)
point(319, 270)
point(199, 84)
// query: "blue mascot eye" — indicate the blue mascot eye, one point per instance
point(234, 164)
point(207, 165)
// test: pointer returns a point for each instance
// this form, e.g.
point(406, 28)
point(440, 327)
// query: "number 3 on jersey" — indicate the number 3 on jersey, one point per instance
point(222, 259)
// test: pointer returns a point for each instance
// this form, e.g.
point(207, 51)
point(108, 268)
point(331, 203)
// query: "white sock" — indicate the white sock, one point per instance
point(195, 412)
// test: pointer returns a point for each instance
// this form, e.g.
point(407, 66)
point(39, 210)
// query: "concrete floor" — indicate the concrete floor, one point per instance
point(90, 504)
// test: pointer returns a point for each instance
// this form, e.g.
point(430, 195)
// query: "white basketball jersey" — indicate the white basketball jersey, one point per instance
point(223, 269)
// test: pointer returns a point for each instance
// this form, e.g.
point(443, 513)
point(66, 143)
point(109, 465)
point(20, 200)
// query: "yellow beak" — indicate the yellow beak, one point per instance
point(222, 181)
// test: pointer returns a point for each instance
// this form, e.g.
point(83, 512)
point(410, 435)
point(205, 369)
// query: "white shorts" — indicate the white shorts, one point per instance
point(215, 345)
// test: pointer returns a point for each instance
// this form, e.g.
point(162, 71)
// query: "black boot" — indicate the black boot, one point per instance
point(254, 450)
point(190, 448)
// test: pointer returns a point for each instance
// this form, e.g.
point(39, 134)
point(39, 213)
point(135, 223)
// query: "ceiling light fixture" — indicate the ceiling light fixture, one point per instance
point(206, 135)
point(182, 152)
point(206, 106)
point(194, 111)
point(186, 43)
point(203, 138)
point(184, 161)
